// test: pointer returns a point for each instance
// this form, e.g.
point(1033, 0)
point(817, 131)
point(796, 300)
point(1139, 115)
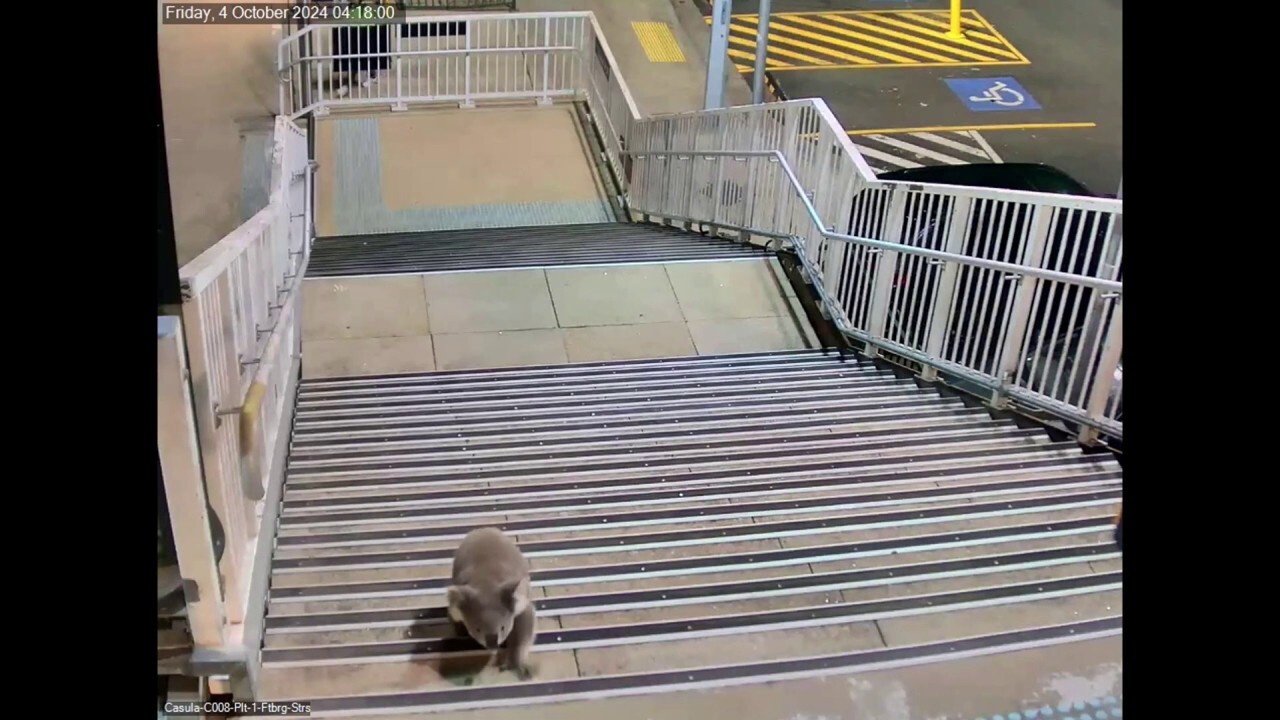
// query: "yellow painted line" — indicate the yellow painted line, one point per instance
point(901, 36)
point(971, 27)
point(985, 128)
point(888, 66)
point(659, 43)
point(873, 38)
point(835, 40)
point(775, 50)
point(918, 28)
point(1001, 38)
point(769, 62)
point(775, 36)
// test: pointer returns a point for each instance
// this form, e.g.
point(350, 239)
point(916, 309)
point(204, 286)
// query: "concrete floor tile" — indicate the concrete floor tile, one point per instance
point(380, 307)
point(713, 337)
point(613, 296)
point(628, 342)
point(727, 290)
point(367, 356)
point(463, 351)
point(489, 301)
point(982, 686)
point(775, 267)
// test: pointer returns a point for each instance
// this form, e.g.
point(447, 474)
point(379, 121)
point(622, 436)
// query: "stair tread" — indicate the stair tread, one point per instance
point(760, 510)
point(517, 247)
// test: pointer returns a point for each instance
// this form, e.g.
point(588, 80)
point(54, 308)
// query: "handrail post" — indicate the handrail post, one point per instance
point(886, 268)
point(467, 102)
point(1105, 375)
point(546, 63)
point(400, 105)
point(1010, 360)
point(957, 229)
point(184, 488)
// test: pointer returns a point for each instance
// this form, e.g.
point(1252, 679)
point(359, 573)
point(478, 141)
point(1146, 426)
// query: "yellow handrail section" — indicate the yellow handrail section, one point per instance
point(251, 480)
point(249, 417)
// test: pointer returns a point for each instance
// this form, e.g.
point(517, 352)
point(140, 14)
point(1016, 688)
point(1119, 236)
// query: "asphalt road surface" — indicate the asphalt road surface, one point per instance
point(1029, 81)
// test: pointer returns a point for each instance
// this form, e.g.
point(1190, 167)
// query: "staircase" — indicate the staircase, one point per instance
point(692, 522)
point(512, 248)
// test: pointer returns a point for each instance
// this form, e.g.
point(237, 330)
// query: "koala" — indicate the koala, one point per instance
point(489, 597)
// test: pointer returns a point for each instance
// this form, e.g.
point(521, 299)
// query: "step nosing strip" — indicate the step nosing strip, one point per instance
point(709, 452)
point(533, 372)
point(659, 468)
point(592, 603)
point(789, 368)
point(553, 577)
point(792, 403)
point(685, 516)
point(837, 378)
point(872, 488)
point(719, 626)
point(401, 407)
point(707, 439)
point(523, 694)
point(706, 535)
point(837, 416)
point(707, 506)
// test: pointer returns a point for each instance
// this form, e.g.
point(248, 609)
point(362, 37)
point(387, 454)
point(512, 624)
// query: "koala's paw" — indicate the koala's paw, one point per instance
point(523, 669)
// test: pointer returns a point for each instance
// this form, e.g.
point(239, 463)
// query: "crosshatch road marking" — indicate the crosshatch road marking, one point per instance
point(870, 38)
point(659, 44)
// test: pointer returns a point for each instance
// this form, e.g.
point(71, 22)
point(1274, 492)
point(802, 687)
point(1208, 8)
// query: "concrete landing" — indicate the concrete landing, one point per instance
point(1076, 680)
point(421, 323)
point(454, 169)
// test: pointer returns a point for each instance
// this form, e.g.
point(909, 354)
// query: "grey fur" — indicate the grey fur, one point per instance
point(489, 597)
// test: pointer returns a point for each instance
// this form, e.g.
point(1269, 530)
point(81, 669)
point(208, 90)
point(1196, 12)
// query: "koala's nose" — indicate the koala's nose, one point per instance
point(491, 641)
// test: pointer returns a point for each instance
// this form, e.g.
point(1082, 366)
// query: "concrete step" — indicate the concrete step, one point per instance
point(518, 247)
point(717, 520)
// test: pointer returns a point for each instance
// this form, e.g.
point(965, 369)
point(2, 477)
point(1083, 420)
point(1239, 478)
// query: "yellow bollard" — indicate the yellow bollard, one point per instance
point(955, 33)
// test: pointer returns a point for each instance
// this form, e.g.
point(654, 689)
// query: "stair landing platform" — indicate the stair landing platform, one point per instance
point(500, 318)
point(428, 170)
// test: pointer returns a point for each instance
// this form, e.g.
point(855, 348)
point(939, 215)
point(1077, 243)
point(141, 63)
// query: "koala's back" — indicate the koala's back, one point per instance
point(487, 557)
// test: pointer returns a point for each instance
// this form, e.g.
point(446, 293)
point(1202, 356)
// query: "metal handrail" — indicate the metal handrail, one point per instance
point(836, 314)
point(1021, 270)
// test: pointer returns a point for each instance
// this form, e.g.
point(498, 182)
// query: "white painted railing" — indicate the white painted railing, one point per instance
point(240, 323)
point(1016, 292)
point(457, 59)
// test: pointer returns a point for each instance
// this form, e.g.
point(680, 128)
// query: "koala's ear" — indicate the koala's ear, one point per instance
point(458, 595)
point(513, 597)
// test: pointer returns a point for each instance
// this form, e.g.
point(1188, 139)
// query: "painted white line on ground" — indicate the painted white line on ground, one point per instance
point(916, 149)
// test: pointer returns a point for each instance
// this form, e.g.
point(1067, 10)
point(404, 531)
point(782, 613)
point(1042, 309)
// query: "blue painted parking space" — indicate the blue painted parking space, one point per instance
point(998, 94)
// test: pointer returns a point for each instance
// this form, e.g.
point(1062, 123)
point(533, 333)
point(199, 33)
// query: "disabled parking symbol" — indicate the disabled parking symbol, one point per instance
point(992, 94)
